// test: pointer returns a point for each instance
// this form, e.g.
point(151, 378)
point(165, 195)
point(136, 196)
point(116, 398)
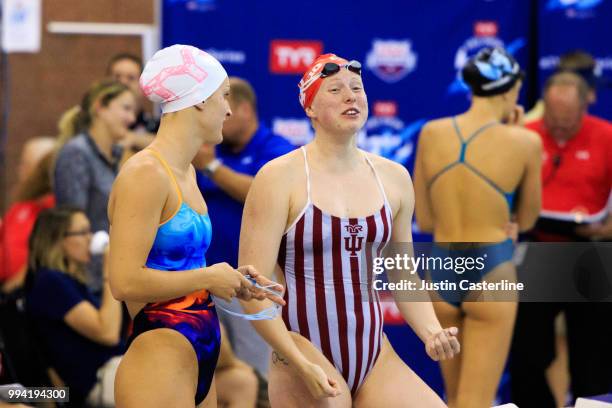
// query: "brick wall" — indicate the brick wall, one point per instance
point(43, 85)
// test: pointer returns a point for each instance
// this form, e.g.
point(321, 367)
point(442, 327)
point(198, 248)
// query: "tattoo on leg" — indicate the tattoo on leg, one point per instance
point(276, 358)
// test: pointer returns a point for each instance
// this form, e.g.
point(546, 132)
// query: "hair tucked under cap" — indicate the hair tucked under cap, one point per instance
point(308, 88)
point(181, 76)
point(491, 72)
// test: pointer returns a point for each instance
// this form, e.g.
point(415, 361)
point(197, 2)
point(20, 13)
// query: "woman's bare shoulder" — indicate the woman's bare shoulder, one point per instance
point(432, 131)
point(141, 166)
point(142, 181)
point(282, 168)
point(275, 181)
point(141, 170)
point(388, 168)
point(437, 124)
point(526, 137)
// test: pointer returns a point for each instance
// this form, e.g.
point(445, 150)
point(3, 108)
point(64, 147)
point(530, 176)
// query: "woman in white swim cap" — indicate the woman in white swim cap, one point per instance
point(160, 231)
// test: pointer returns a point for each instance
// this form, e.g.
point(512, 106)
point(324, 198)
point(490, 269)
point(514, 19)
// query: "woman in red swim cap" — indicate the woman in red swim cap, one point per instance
point(313, 212)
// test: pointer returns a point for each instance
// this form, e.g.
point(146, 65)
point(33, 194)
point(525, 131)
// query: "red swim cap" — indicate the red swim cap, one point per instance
point(311, 81)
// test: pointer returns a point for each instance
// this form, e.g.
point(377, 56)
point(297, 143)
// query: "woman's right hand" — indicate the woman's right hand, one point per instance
point(517, 116)
point(512, 230)
point(275, 294)
point(318, 383)
point(224, 281)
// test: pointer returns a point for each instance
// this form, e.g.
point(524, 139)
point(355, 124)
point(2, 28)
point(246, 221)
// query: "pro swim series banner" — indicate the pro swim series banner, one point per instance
point(566, 25)
point(411, 52)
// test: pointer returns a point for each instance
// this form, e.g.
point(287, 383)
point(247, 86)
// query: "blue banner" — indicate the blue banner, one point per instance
point(568, 25)
point(411, 52)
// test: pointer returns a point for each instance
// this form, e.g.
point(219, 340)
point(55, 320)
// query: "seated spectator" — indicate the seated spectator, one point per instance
point(33, 196)
point(87, 164)
point(80, 337)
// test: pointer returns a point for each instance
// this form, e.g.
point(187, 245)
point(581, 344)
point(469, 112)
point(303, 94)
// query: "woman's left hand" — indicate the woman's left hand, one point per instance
point(443, 344)
point(257, 293)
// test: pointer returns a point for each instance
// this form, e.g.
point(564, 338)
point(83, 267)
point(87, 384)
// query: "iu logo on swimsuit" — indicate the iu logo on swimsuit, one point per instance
point(353, 243)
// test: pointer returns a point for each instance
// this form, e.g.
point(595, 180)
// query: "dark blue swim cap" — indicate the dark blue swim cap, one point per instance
point(493, 71)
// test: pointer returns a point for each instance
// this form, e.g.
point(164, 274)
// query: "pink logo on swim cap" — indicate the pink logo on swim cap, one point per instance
point(156, 85)
point(181, 76)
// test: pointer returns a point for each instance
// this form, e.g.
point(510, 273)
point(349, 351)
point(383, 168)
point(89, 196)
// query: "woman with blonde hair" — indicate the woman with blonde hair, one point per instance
point(87, 164)
point(79, 334)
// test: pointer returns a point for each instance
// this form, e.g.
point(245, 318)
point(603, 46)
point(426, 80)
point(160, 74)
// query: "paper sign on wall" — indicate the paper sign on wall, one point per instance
point(21, 25)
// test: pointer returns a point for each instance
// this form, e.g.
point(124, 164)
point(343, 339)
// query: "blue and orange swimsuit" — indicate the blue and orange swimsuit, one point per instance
point(180, 244)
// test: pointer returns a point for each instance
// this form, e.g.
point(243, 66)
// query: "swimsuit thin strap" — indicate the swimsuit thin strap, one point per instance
point(170, 173)
point(303, 148)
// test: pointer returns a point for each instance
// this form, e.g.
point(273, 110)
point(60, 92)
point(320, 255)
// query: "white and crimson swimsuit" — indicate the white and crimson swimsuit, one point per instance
point(330, 298)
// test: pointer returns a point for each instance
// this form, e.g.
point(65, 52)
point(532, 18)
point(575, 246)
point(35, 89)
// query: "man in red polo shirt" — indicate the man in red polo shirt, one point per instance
point(576, 191)
point(577, 163)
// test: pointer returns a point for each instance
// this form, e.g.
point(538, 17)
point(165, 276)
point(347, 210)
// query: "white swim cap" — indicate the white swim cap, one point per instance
point(181, 76)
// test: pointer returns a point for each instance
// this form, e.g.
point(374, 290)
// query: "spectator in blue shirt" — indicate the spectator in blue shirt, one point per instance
point(224, 178)
point(80, 336)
